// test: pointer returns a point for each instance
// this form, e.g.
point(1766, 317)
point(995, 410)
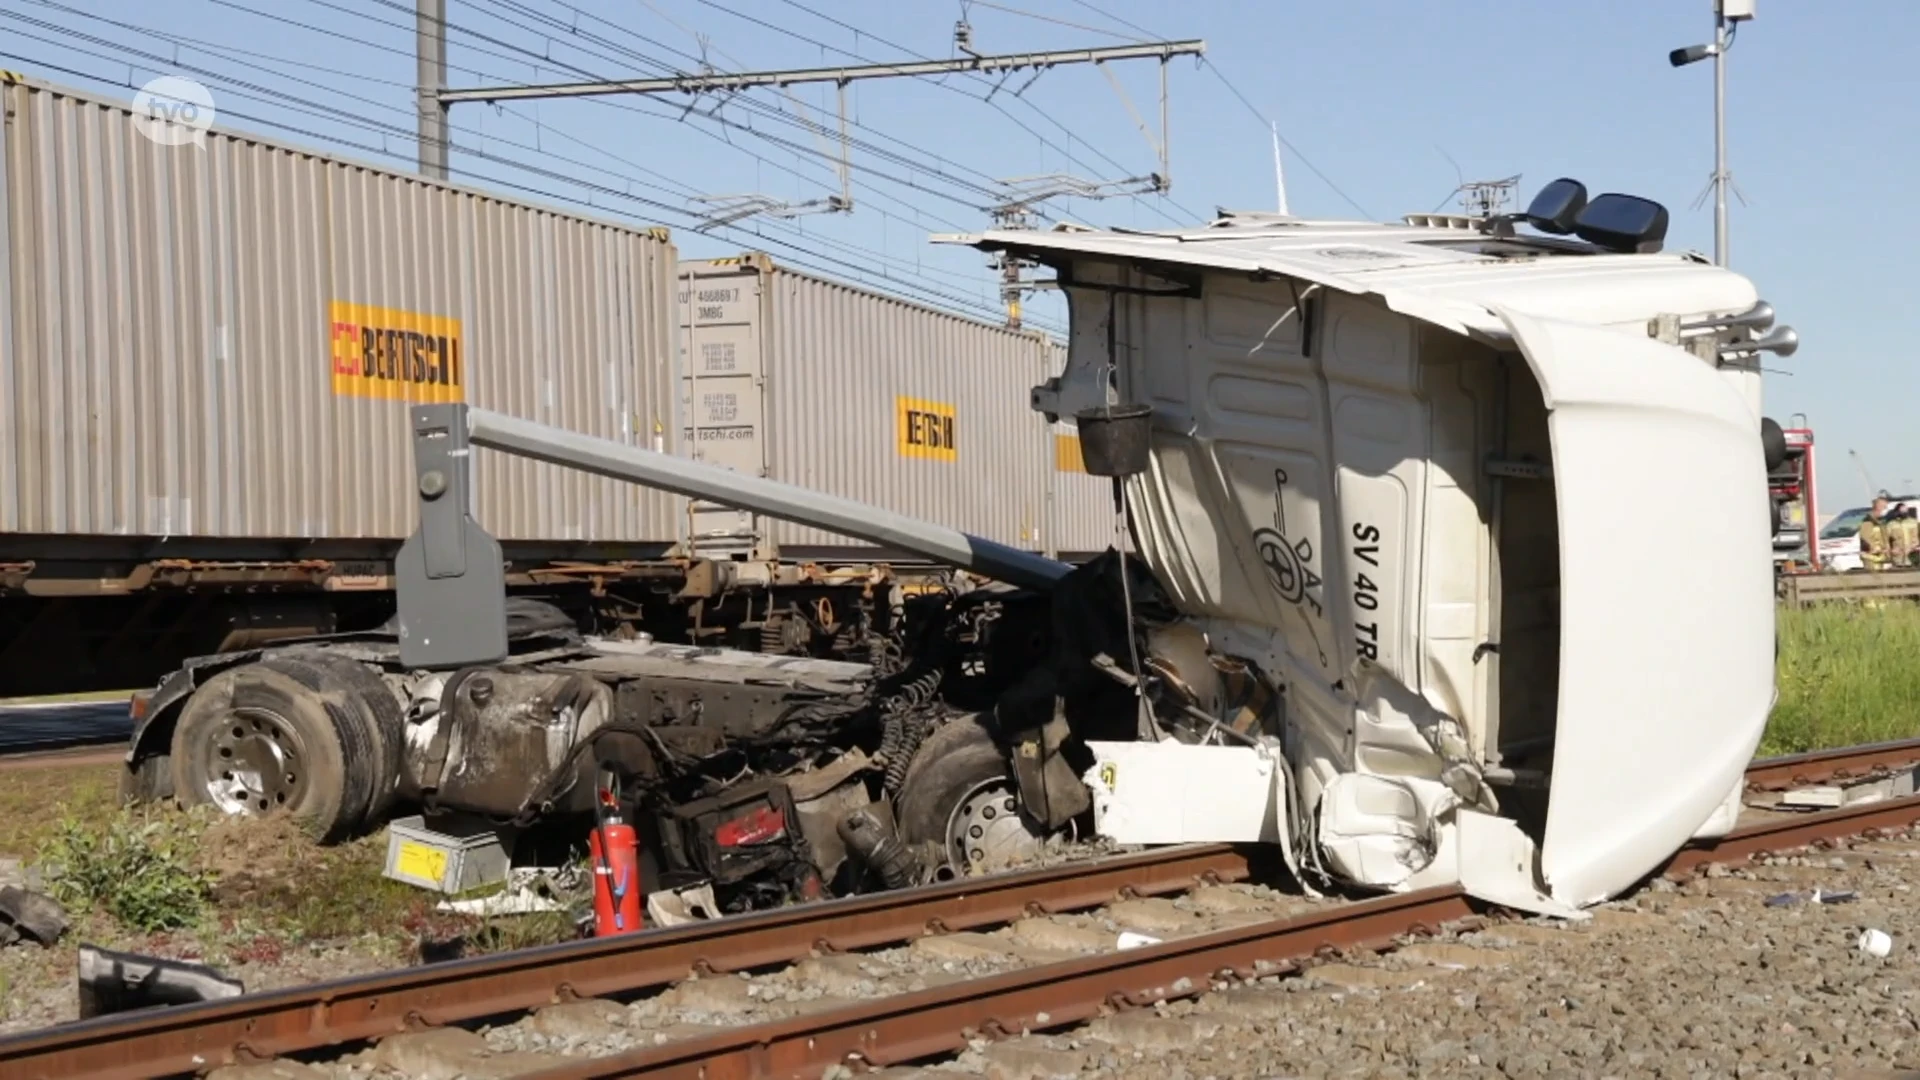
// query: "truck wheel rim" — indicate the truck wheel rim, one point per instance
point(987, 831)
point(255, 763)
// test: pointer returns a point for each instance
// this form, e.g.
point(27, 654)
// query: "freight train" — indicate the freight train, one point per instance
point(206, 358)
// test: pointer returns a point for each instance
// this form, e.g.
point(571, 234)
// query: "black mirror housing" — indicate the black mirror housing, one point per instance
point(1556, 207)
point(1623, 223)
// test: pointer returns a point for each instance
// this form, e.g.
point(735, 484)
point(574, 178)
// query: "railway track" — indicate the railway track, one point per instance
point(63, 734)
point(63, 756)
point(999, 985)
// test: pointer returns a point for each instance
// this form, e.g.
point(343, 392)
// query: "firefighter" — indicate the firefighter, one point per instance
point(1909, 536)
point(1873, 536)
point(1899, 545)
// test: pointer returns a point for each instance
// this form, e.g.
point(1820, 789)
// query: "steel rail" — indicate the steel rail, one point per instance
point(1820, 766)
point(71, 756)
point(1785, 834)
point(897, 1030)
point(193, 1038)
point(889, 1031)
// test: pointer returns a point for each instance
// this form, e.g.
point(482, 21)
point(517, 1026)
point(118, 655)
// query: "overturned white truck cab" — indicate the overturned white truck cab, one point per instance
point(1426, 478)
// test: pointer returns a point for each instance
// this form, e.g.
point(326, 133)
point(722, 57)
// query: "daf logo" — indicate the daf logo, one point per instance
point(1355, 253)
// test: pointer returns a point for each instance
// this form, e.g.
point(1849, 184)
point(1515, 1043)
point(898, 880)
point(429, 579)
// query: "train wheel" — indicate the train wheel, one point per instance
point(267, 737)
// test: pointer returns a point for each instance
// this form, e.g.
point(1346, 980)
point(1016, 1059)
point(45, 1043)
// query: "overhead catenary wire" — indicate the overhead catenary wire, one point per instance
point(526, 57)
point(920, 212)
point(539, 60)
point(1274, 128)
point(1265, 121)
point(601, 77)
point(912, 280)
point(977, 190)
point(574, 33)
point(820, 262)
point(807, 259)
point(1098, 10)
point(1068, 23)
point(1066, 153)
point(668, 69)
point(798, 148)
point(893, 273)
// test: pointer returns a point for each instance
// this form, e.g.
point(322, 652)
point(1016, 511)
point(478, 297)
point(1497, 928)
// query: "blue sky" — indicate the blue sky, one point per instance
point(1385, 107)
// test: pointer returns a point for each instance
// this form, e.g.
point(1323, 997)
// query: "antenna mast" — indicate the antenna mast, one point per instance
point(1279, 175)
point(1485, 198)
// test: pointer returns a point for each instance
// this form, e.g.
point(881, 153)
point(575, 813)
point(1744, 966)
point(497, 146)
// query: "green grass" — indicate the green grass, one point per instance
point(1848, 674)
point(242, 889)
point(35, 802)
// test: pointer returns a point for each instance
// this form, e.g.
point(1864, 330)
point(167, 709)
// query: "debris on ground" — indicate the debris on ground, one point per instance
point(677, 907)
point(529, 889)
point(113, 982)
point(30, 916)
point(1817, 896)
point(252, 898)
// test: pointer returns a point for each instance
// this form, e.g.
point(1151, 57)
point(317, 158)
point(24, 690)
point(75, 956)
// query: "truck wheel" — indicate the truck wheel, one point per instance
point(267, 737)
point(959, 796)
point(149, 782)
point(381, 712)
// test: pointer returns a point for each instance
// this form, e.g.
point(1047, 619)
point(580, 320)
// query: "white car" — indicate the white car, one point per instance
point(1840, 540)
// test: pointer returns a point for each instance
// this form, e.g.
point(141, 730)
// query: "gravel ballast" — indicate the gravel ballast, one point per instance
point(1703, 978)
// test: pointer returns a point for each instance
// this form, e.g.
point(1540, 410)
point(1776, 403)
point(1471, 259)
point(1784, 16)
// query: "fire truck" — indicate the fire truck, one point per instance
point(1790, 485)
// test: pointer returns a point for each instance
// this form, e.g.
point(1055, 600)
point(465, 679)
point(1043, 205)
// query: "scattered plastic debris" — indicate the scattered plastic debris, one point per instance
point(1131, 940)
point(1817, 896)
point(677, 907)
point(1875, 943)
point(530, 889)
point(112, 982)
point(29, 916)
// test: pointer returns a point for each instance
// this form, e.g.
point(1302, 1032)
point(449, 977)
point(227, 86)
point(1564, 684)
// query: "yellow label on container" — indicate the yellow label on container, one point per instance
point(925, 429)
point(1066, 454)
point(395, 355)
point(421, 861)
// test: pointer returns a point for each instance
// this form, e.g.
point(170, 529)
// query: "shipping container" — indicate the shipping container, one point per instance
point(818, 383)
point(219, 341)
point(1084, 515)
point(207, 351)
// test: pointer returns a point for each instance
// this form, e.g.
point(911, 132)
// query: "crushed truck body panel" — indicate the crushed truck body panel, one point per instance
point(1398, 469)
point(1643, 760)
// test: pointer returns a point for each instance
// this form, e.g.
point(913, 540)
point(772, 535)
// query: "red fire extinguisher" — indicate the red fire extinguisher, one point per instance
point(615, 850)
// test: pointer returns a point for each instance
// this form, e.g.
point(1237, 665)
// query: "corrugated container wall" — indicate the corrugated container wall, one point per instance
point(221, 341)
point(869, 397)
point(1083, 512)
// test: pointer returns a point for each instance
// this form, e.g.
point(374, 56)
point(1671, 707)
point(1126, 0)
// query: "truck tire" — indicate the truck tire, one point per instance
point(382, 712)
point(526, 618)
point(298, 747)
point(955, 758)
